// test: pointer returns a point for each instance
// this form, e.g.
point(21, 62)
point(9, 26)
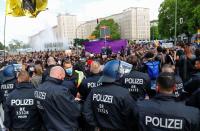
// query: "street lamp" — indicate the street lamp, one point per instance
point(175, 26)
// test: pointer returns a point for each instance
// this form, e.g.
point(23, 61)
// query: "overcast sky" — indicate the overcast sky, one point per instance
point(20, 28)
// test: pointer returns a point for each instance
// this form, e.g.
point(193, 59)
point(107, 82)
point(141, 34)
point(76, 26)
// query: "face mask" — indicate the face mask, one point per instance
point(69, 71)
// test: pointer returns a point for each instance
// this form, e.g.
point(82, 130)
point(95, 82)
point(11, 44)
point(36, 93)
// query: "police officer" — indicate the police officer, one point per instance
point(163, 112)
point(179, 90)
point(91, 81)
point(194, 83)
point(9, 82)
point(21, 113)
point(56, 104)
point(136, 82)
point(110, 107)
point(194, 100)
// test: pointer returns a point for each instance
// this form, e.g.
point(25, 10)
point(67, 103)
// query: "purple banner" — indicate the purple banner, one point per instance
point(96, 46)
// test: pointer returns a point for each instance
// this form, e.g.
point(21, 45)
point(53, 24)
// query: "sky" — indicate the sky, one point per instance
point(21, 28)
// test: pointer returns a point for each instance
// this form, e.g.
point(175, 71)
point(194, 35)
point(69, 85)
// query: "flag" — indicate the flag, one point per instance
point(29, 8)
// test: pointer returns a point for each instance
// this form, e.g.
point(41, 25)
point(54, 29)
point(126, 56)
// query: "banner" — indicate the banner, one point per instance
point(31, 8)
point(96, 46)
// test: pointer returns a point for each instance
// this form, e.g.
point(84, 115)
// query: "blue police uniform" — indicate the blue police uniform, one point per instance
point(8, 83)
point(179, 86)
point(194, 100)
point(137, 83)
point(193, 84)
point(21, 112)
point(110, 106)
point(57, 106)
point(89, 83)
point(163, 113)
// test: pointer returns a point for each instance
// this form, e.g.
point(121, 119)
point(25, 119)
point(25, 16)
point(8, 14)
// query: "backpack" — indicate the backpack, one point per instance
point(153, 69)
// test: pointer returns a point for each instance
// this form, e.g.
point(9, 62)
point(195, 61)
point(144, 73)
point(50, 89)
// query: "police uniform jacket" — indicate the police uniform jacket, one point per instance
point(110, 107)
point(179, 86)
point(137, 83)
point(194, 100)
point(7, 86)
point(193, 84)
point(163, 113)
point(21, 111)
point(57, 106)
point(71, 86)
point(90, 82)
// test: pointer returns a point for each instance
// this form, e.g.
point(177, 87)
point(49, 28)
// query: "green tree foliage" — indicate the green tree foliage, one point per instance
point(16, 44)
point(189, 10)
point(79, 42)
point(154, 33)
point(113, 26)
point(1, 46)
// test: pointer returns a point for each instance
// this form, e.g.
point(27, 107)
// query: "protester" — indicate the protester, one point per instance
point(160, 56)
point(82, 76)
point(51, 63)
point(152, 67)
point(186, 63)
point(37, 76)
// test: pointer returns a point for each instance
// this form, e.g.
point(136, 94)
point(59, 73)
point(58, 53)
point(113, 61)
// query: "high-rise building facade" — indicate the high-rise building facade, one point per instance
point(134, 24)
point(67, 27)
point(58, 37)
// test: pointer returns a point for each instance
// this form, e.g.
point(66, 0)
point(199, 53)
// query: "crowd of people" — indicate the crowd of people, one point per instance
point(143, 87)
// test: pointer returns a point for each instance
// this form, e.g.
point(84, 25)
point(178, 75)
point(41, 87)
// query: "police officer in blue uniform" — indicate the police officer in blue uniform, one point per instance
point(194, 100)
point(56, 104)
point(110, 106)
point(91, 81)
point(8, 83)
point(21, 113)
point(194, 83)
point(179, 89)
point(136, 82)
point(163, 112)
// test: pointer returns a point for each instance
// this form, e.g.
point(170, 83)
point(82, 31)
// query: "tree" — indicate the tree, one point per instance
point(154, 33)
point(1, 46)
point(16, 44)
point(113, 26)
point(79, 42)
point(187, 9)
